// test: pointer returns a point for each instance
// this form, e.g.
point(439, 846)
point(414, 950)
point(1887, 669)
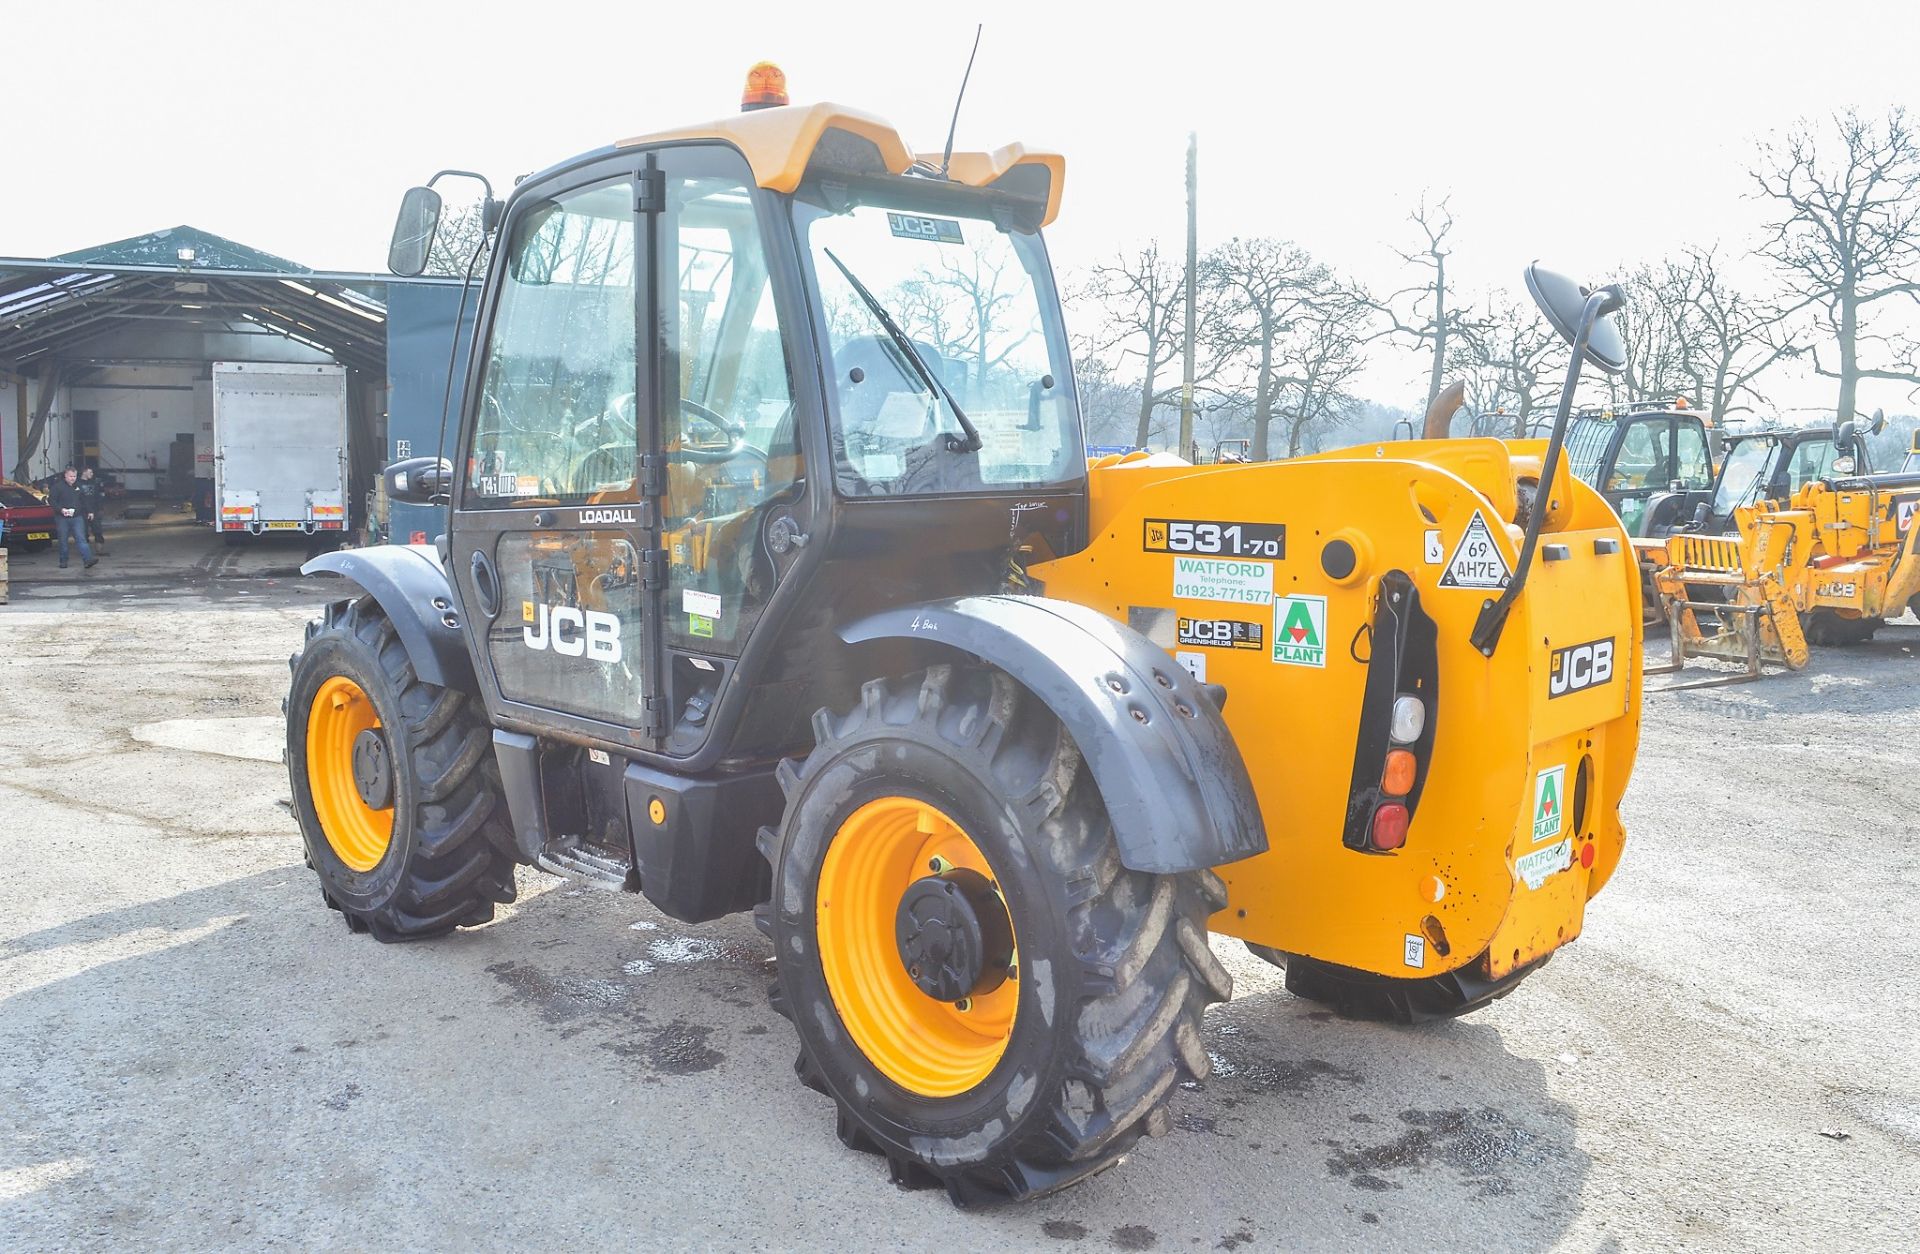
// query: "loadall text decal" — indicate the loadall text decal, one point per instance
point(1222, 633)
point(1225, 539)
point(571, 632)
point(1579, 667)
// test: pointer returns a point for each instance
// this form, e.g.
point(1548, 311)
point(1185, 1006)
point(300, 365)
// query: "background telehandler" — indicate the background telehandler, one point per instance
point(758, 592)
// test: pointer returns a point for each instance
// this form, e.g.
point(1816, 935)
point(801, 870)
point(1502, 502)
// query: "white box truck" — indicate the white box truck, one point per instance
point(279, 447)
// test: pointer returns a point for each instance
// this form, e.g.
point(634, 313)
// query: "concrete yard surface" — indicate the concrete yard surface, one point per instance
point(196, 1054)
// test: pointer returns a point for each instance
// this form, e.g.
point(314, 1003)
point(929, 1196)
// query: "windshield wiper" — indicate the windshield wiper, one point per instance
point(969, 443)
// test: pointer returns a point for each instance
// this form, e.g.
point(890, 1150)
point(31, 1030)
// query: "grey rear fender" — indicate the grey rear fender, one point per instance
point(1172, 777)
point(406, 580)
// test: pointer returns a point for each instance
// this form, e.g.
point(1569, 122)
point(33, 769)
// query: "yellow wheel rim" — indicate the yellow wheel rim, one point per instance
point(926, 1046)
point(358, 833)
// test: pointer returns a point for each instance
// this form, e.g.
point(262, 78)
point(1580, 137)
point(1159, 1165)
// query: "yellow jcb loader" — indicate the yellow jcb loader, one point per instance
point(1827, 566)
point(776, 579)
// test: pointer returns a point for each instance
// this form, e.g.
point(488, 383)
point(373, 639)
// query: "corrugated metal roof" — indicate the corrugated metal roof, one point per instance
point(53, 309)
point(162, 248)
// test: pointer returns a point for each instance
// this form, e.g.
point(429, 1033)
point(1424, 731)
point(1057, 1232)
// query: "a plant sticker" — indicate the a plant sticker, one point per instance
point(1300, 630)
point(1549, 803)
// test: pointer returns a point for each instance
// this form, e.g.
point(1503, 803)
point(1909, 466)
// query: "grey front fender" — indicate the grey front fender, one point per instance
point(1172, 777)
point(406, 579)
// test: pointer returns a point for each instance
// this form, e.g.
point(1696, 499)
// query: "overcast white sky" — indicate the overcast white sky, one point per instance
point(1588, 135)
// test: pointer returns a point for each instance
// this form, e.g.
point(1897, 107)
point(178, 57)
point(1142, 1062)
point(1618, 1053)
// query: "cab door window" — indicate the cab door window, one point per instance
point(1643, 460)
point(556, 425)
point(1693, 466)
point(556, 421)
point(728, 425)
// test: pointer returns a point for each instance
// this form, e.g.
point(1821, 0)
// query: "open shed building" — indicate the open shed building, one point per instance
point(107, 354)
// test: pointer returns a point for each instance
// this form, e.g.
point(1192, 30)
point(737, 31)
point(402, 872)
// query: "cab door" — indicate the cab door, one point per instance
point(1642, 467)
point(554, 520)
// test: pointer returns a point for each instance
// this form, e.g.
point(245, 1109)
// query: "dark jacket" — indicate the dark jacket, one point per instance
point(93, 492)
point(67, 496)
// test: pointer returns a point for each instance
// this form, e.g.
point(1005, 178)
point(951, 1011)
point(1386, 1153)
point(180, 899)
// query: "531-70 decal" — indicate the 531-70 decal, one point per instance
point(1228, 539)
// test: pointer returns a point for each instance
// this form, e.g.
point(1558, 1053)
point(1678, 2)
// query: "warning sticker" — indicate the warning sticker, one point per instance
point(1300, 630)
point(1223, 579)
point(1535, 867)
point(1196, 664)
point(1476, 561)
point(1416, 950)
point(1549, 814)
point(705, 604)
point(1434, 549)
point(1904, 511)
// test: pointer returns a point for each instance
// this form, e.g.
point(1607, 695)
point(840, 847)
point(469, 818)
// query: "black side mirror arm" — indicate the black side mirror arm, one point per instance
point(1493, 615)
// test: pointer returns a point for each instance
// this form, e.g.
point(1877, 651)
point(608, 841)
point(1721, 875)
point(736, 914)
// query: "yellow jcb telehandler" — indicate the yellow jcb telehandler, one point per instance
point(775, 580)
point(1827, 566)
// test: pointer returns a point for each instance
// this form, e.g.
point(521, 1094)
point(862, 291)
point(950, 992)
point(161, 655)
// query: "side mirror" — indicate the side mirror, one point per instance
point(413, 230)
point(1879, 422)
point(1845, 437)
point(1564, 303)
point(419, 480)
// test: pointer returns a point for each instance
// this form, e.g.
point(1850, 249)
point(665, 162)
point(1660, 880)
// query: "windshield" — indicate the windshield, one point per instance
point(1742, 476)
point(977, 305)
point(1587, 440)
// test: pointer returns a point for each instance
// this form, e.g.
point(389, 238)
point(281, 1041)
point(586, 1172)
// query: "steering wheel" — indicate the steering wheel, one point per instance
point(735, 432)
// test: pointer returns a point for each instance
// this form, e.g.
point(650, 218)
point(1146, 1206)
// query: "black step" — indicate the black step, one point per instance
point(569, 856)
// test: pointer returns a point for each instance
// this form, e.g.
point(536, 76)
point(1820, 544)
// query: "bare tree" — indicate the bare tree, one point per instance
point(1513, 363)
point(455, 240)
point(1259, 287)
point(964, 309)
point(1139, 306)
point(1847, 240)
point(1326, 352)
point(1424, 313)
point(1690, 333)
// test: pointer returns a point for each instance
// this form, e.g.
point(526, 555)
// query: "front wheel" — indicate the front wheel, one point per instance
point(392, 783)
point(994, 1002)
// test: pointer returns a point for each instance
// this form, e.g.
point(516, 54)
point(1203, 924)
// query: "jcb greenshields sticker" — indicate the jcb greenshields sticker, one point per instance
point(1300, 630)
point(1549, 793)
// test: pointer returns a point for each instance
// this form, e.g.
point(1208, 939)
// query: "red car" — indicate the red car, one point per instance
point(26, 519)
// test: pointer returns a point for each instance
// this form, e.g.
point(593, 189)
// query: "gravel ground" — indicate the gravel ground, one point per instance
point(196, 1054)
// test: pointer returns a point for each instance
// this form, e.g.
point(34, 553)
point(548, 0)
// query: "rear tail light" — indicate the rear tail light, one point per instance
point(1409, 719)
point(1390, 826)
point(1397, 779)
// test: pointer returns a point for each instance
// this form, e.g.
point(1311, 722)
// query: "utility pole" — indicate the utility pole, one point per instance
point(1185, 448)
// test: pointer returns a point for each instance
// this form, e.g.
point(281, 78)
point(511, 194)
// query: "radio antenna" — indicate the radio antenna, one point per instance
point(946, 158)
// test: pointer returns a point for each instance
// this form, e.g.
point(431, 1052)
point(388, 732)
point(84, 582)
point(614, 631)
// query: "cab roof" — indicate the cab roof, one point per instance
point(781, 144)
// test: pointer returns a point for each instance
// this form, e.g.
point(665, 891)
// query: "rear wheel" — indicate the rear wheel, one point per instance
point(994, 1002)
point(392, 784)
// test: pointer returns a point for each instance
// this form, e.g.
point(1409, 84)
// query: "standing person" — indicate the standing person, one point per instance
point(70, 517)
point(94, 492)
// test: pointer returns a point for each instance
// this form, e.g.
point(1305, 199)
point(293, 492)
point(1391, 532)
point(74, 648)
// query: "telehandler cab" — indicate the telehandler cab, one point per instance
point(776, 578)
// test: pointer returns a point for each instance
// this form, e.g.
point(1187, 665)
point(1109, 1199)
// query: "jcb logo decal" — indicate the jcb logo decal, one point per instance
point(1222, 633)
point(573, 632)
point(1579, 667)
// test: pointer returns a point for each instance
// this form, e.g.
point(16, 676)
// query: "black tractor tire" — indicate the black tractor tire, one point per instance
point(450, 858)
point(1827, 627)
point(1354, 994)
point(1114, 971)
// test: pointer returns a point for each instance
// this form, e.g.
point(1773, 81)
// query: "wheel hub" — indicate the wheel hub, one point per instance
point(372, 769)
point(955, 938)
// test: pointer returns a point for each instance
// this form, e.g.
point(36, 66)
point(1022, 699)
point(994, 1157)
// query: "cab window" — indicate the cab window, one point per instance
point(1643, 459)
point(1813, 459)
point(556, 407)
point(1693, 466)
point(728, 425)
